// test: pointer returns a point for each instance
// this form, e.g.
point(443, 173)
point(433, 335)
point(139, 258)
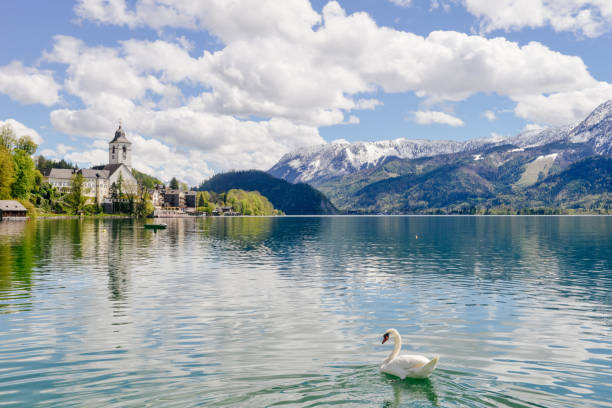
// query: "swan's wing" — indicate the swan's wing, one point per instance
point(409, 361)
point(428, 368)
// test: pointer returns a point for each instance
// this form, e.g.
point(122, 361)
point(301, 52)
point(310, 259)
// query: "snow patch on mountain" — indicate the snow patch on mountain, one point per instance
point(549, 157)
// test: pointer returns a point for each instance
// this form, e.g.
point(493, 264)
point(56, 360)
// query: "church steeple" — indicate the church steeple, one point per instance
point(120, 149)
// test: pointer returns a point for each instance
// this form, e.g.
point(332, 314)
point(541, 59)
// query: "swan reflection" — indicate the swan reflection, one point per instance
point(410, 390)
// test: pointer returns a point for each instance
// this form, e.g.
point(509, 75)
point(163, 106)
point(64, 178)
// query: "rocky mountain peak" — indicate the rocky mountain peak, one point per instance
point(596, 128)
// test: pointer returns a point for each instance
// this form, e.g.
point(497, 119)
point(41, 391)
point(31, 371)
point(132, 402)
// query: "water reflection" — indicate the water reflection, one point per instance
point(17, 250)
point(410, 391)
point(264, 311)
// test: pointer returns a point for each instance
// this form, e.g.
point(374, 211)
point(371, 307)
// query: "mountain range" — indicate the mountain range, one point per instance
point(564, 167)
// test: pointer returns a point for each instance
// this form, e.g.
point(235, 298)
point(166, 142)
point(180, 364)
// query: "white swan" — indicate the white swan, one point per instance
point(403, 366)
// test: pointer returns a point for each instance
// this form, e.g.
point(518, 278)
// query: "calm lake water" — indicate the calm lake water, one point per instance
point(289, 311)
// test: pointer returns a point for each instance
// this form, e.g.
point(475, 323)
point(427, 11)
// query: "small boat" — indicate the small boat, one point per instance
point(155, 226)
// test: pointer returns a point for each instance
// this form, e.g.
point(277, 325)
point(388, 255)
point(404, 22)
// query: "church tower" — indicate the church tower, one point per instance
point(120, 149)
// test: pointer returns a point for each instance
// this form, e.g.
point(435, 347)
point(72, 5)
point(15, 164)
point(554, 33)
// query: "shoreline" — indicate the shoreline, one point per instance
point(71, 217)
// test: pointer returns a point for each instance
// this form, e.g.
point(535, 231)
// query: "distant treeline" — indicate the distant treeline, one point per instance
point(241, 201)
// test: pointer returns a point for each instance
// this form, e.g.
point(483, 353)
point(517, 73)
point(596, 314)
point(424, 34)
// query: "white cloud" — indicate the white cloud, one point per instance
point(87, 158)
point(430, 117)
point(443, 4)
point(402, 3)
point(97, 74)
point(490, 115)
point(352, 120)
point(48, 152)
point(589, 17)
point(165, 162)
point(531, 127)
point(22, 130)
point(279, 75)
point(28, 85)
point(228, 20)
point(562, 108)
point(340, 142)
point(93, 155)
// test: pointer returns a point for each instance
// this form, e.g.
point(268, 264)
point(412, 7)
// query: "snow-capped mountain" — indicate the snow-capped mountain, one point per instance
point(317, 164)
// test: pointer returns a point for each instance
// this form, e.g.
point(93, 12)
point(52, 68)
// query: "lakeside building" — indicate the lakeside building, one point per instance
point(157, 198)
point(173, 198)
point(191, 199)
point(173, 201)
point(99, 180)
point(12, 210)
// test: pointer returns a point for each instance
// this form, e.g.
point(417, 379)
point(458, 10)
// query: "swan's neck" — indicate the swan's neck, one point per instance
point(397, 340)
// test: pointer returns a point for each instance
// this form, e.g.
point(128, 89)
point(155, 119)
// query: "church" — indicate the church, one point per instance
point(100, 179)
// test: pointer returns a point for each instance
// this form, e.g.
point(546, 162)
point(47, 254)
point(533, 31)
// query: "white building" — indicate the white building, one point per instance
point(100, 179)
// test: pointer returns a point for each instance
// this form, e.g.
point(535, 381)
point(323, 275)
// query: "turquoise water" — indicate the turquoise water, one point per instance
point(289, 311)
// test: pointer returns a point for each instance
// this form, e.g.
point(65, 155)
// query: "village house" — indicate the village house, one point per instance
point(157, 198)
point(174, 198)
point(191, 199)
point(12, 210)
point(226, 211)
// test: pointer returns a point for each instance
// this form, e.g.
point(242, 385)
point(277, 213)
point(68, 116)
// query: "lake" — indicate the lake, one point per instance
point(289, 311)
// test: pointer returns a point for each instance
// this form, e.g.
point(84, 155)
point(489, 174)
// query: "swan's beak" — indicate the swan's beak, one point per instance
point(385, 338)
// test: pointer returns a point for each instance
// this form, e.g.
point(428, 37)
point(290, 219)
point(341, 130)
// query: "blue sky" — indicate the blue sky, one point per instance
point(217, 85)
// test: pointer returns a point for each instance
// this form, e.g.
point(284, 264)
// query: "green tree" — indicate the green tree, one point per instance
point(24, 175)
point(49, 199)
point(249, 202)
point(206, 202)
point(7, 173)
point(7, 138)
point(113, 191)
point(174, 184)
point(25, 171)
point(143, 206)
point(26, 144)
point(75, 200)
point(42, 164)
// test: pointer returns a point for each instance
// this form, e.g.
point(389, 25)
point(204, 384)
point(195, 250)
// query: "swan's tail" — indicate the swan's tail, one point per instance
point(429, 367)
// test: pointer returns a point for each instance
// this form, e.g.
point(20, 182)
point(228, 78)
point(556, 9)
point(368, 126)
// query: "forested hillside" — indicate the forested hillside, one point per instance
point(292, 199)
